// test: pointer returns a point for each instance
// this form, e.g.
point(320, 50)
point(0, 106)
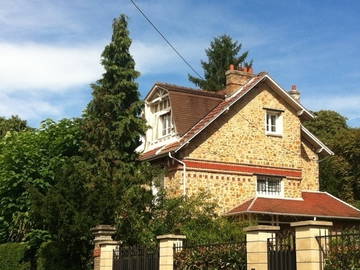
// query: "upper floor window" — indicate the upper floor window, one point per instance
point(269, 186)
point(274, 123)
point(162, 115)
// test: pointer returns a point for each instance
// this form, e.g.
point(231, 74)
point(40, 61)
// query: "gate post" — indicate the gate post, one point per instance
point(256, 246)
point(166, 249)
point(308, 250)
point(104, 247)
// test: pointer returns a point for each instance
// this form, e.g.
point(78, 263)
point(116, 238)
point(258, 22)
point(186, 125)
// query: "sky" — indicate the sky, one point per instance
point(50, 50)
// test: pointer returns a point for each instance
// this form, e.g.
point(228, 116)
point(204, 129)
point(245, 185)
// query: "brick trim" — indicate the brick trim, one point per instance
point(229, 167)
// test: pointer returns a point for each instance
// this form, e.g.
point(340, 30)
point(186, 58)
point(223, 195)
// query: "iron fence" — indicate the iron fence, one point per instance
point(210, 257)
point(135, 258)
point(282, 251)
point(340, 250)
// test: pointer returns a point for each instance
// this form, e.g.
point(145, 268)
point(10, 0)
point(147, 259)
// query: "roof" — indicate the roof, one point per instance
point(312, 204)
point(223, 105)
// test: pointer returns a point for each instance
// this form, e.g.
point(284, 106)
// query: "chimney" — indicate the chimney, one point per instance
point(294, 93)
point(235, 78)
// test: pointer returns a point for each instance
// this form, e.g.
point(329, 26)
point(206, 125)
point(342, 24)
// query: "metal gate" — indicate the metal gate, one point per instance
point(282, 251)
point(136, 258)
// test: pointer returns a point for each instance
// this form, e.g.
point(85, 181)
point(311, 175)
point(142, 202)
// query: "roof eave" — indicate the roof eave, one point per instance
point(287, 214)
point(315, 140)
point(300, 108)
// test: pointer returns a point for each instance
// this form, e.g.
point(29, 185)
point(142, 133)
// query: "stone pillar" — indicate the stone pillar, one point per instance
point(307, 247)
point(104, 247)
point(166, 245)
point(256, 246)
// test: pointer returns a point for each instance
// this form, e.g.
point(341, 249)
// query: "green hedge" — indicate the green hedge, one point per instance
point(50, 256)
point(212, 257)
point(12, 256)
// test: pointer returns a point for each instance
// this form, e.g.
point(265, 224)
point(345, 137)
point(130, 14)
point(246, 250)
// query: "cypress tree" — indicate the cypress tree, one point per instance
point(112, 130)
point(222, 52)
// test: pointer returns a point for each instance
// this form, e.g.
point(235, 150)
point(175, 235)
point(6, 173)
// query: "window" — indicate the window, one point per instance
point(161, 110)
point(269, 186)
point(166, 125)
point(273, 122)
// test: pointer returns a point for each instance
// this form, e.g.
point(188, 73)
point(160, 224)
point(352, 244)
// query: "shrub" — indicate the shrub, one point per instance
point(12, 256)
point(344, 252)
point(212, 257)
point(51, 256)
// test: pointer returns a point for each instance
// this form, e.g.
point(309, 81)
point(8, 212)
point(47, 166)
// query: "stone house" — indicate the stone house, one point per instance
point(245, 146)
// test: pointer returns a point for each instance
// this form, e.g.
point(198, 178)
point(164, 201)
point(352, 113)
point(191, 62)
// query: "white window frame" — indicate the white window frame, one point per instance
point(268, 178)
point(278, 122)
point(158, 112)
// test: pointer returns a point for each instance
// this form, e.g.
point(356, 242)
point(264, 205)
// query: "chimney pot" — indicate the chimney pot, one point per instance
point(294, 93)
point(236, 78)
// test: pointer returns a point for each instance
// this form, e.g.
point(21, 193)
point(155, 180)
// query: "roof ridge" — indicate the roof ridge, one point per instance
point(193, 90)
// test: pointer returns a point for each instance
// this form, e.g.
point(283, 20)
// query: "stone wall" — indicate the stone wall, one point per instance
point(227, 190)
point(239, 137)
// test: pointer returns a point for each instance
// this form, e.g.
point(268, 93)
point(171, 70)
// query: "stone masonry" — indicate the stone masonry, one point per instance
point(239, 137)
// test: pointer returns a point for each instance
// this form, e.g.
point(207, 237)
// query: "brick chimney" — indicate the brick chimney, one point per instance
point(235, 78)
point(294, 93)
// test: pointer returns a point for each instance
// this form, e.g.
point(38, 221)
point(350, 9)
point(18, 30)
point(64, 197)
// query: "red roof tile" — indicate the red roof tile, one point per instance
point(315, 204)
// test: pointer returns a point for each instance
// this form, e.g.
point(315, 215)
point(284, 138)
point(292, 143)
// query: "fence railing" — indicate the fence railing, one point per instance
point(212, 256)
point(282, 251)
point(340, 250)
point(135, 258)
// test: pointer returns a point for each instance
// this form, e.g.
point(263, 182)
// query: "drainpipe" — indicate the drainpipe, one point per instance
point(184, 172)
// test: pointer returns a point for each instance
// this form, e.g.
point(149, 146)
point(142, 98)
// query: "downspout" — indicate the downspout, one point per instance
point(184, 172)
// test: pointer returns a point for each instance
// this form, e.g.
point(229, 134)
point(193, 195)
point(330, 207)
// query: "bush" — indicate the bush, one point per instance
point(344, 253)
point(51, 256)
point(12, 256)
point(212, 257)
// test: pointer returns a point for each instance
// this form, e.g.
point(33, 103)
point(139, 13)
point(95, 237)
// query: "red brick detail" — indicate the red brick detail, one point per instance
point(242, 168)
point(96, 252)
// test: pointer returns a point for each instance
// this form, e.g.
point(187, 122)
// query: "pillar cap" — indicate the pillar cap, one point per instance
point(170, 237)
point(103, 230)
point(311, 223)
point(264, 228)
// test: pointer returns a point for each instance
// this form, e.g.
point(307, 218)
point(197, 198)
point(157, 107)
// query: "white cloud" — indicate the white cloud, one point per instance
point(27, 108)
point(33, 66)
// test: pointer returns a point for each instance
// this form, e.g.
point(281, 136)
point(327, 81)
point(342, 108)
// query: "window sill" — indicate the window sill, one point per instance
point(274, 134)
point(281, 196)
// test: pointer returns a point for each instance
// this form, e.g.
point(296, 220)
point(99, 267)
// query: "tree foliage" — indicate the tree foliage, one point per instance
point(14, 123)
point(104, 182)
point(339, 174)
point(222, 52)
point(31, 159)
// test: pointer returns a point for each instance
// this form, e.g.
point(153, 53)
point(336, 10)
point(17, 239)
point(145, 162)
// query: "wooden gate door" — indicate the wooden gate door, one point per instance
point(282, 251)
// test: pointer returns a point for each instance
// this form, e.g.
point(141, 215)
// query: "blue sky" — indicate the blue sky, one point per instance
point(50, 50)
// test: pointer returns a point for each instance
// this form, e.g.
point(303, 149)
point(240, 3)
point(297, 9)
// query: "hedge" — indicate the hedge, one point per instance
point(12, 256)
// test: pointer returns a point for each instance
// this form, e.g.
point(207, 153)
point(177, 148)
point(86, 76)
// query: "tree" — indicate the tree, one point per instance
point(222, 52)
point(31, 159)
point(14, 123)
point(105, 183)
point(339, 174)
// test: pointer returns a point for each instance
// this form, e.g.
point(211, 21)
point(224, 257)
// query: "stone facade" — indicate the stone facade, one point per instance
point(239, 137)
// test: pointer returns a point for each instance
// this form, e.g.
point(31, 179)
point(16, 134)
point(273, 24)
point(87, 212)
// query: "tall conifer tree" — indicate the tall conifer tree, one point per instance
point(222, 52)
point(112, 131)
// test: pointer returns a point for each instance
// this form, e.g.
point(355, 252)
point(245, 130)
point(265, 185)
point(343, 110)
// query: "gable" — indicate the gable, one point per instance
point(225, 105)
point(238, 136)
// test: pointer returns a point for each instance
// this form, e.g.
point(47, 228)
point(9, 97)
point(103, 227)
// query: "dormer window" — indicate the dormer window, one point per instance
point(274, 122)
point(162, 113)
